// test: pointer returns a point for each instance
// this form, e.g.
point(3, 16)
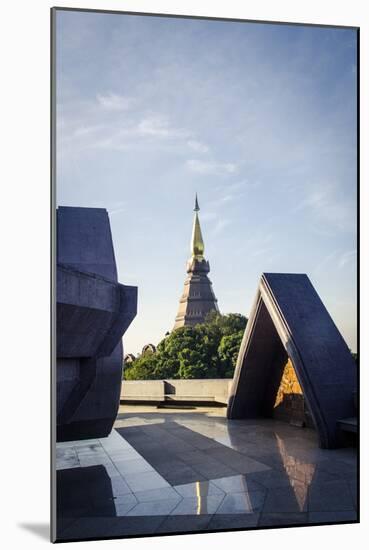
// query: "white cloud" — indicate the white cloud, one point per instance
point(198, 146)
point(329, 206)
point(219, 202)
point(316, 200)
point(246, 184)
point(83, 130)
point(118, 210)
point(220, 226)
point(322, 265)
point(89, 127)
point(211, 168)
point(158, 126)
point(346, 258)
point(115, 102)
point(260, 252)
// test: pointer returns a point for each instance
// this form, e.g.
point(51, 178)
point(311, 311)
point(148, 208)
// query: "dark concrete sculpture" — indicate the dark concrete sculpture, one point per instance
point(288, 319)
point(93, 313)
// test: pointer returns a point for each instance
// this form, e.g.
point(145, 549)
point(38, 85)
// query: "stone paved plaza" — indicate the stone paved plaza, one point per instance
point(191, 470)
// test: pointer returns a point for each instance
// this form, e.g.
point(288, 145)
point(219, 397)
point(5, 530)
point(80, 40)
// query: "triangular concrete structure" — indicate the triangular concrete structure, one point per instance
point(288, 319)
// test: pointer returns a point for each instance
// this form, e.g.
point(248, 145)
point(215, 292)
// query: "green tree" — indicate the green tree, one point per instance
point(228, 352)
point(224, 324)
point(143, 368)
point(207, 350)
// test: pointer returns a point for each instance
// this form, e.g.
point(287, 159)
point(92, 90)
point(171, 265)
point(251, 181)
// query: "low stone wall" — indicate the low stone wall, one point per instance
point(142, 390)
point(160, 391)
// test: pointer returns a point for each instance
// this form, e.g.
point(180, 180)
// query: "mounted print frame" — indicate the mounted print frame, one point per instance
point(204, 237)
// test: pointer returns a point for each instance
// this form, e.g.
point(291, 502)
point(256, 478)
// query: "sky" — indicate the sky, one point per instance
point(258, 119)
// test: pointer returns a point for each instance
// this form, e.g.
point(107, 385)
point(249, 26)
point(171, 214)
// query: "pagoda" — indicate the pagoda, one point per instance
point(198, 297)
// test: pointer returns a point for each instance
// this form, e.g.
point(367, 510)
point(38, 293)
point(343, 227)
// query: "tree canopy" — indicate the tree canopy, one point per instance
point(207, 350)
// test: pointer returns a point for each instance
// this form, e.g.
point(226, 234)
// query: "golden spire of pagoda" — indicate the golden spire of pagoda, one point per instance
point(197, 243)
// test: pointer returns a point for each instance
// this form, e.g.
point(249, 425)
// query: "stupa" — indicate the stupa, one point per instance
point(198, 297)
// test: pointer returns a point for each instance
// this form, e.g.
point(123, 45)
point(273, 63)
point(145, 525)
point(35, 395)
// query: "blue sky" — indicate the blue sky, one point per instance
point(259, 119)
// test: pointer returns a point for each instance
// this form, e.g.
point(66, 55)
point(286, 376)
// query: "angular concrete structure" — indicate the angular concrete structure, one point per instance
point(289, 320)
point(198, 298)
point(93, 313)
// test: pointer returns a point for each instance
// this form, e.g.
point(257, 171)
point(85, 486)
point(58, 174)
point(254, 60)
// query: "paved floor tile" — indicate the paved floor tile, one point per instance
point(242, 503)
point(329, 497)
point(211, 474)
point(89, 528)
point(62, 524)
point(137, 465)
point(273, 460)
point(339, 467)
point(88, 446)
point(286, 499)
point(233, 521)
point(145, 481)
point(119, 486)
point(182, 474)
point(65, 453)
point(66, 464)
point(124, 503)
point(84, 492)
point(130, 526)
point(125, 454)
point(199, 489)
point(213, 469)
point(194, 457)
point(200, 505)
point(332, 517)
point(283, 519)
point(154, 508)
point(113, 440)
point(269, 479)
point(182, 524)
point(236, 484)
point(79, 443)
point(163, 493)
point(93, 461)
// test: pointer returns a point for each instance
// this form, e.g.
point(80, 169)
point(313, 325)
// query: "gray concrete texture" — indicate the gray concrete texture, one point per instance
point(289, 319)
point(194, 391)
point(93, 312)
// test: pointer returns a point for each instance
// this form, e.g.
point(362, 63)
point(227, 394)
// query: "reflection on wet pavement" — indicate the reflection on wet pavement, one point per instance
point(173, 472)
point(296, 470)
